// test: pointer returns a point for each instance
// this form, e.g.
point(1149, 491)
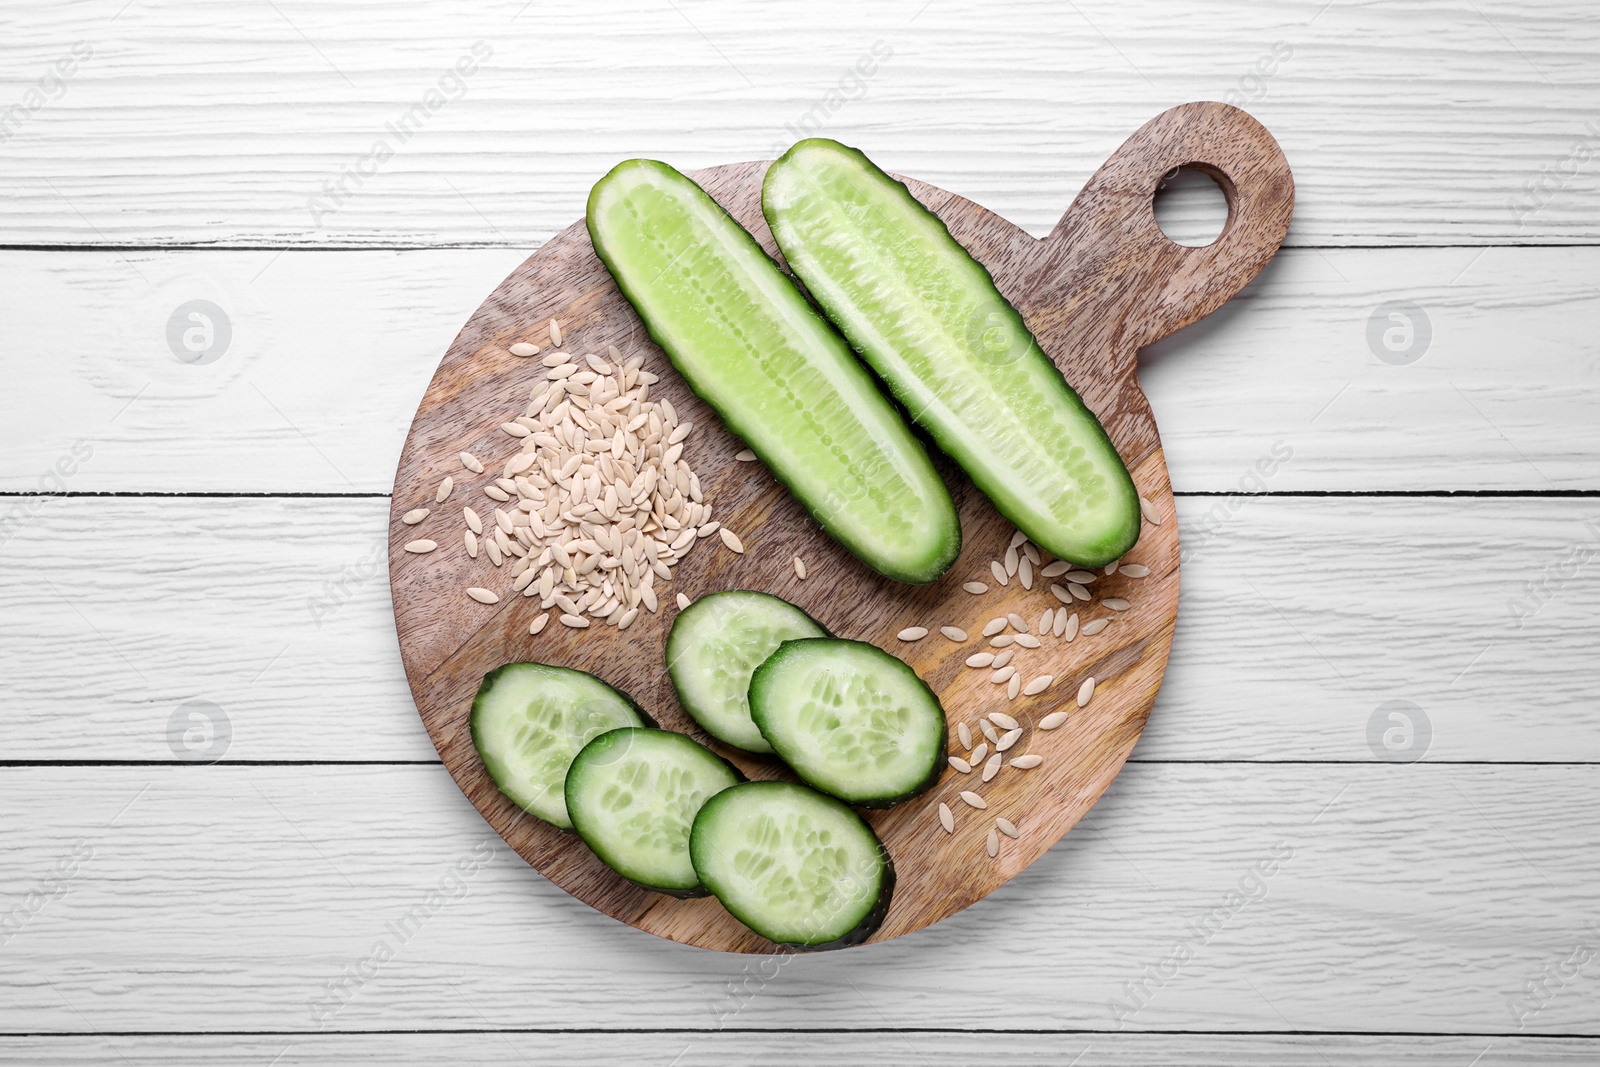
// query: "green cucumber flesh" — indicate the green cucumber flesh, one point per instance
point(929, 320)
point(779, 376)
point(796, 866)
point(850, 719)
point(632, 795)
point(528, 722)
point(715, 644)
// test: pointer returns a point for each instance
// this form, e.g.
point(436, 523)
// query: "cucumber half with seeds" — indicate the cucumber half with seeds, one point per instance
point(795, 866)
point(528, 722)
point(850, 719)
point(715, 644)
point(632, 795)
point(780, 377)
point(928, 318)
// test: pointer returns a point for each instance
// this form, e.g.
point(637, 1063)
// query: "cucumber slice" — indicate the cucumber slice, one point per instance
point(633, 794)
point(928, 318)
point(850, 719)
point(795, 866)
point(750, 346)
point(715, 644)
point(530, 719)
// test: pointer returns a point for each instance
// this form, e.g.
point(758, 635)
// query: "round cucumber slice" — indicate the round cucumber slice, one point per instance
point(850, 719)
point(715, 644)
point(795, 866)
point(530, 719)
point(632, 795)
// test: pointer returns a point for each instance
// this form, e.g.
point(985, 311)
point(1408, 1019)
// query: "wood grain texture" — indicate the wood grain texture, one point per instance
point(1108, 263)
point(1414, 122)
point(1284, 649)
point(332, 350)
point(229, 898)
point(917, 1049)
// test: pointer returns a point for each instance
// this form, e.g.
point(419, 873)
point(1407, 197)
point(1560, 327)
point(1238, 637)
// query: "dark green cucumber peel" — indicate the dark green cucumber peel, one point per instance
point(713, 647)
point(751, 346)
point(797, 866)
point(851, 720)
point(529, 720)
point(929, 320)
point(632, 794)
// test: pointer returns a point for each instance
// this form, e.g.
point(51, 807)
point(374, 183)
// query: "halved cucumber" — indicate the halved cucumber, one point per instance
point(632, 795)
point(795, 866)
point(928, 318)
point(850, 719)
point(530, 719)
point(749, 345)
point(715, 644)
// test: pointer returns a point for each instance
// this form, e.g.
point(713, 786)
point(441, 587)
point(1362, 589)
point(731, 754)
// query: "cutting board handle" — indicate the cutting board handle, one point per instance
point(1108, 267)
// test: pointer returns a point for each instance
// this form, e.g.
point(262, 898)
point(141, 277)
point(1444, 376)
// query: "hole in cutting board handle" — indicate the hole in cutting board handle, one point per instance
point(1191, 206)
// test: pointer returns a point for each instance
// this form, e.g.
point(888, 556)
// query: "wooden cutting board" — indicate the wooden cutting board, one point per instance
point(1102, 285)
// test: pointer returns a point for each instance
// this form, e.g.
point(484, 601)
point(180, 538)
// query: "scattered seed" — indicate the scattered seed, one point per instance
point(913, 633)
point(555, 333)
point(975, 588)
point(1007, 739)
point(994, 626)
point(472, 544)
point(1013, 687)
point(731, 539)
point(577, 622)
point(1002, 640)
point(1002, 720)
point(471, 462)
point(1026, 762)
point(993, 843)
point(1081, 577)
point(960, 765)
point(1025, 573)
point(999, 572)
point(1094, 627)
point(954, 633)
point(1030, 552)
point(1017, 537)
point(980, 659)
point(1047, 620)
point(988, 730)
point(421, 546)
point(443, 491)
point(1003, 674)
point(1111, 568)
point(1066, 625)
point(414, 516)
point(964, 732)
point(978, 753)
point(946, 820)
point(1148, 510)
point(744, 455)
point(1052, 570)
point(1038, 685)
point(1052, 720)
point(483, 596)
point(1078, 592)
point(523, 348)
point(1007, 827)
point(1003, 658)
point(1011, 561)
point(1086, 691)
point(683, 602)
point(973, 799)
point(494, 492)
point(1060, 593)
point(1116, 603)
point(991, 766)
point(1027, 641)
point(1018, 623)
point(800, 568)
point(1136, 570)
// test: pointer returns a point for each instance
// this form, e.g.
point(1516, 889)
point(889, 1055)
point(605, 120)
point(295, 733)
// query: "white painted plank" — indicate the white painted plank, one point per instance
point(1416, 899)
point(331, 352)
point(1300, 618)
point(1414, 122)
point(915, 1049)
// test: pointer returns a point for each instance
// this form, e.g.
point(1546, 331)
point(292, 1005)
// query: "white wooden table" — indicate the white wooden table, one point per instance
point(1285, 872)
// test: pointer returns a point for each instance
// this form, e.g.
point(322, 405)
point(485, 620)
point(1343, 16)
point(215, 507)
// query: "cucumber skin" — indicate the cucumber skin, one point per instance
point(952, 538)
point(1119, 542)
point(934, 772)
point(680, 894)
point(672, 633)
point(488, 684)
point(862, 930)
